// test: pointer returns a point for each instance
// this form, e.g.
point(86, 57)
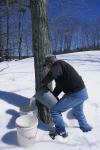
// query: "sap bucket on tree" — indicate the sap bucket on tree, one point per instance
point(25, 110)
point(29, 109)
point(26, 130)
point(45, 96)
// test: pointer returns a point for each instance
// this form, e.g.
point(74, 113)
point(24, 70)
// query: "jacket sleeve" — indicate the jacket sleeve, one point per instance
point(48, 78)
point(53, 74)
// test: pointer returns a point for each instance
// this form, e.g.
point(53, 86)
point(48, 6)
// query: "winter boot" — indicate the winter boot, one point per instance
point(54, 134)
point(86, 129)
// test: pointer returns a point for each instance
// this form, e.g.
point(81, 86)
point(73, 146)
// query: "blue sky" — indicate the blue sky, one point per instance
point(83, 9)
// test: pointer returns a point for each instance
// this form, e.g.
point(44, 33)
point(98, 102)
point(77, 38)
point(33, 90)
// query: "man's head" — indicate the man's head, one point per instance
point(50, 60)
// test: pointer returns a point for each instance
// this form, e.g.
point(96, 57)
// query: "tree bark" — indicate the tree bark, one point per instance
point(8, 21)
point(40, 47)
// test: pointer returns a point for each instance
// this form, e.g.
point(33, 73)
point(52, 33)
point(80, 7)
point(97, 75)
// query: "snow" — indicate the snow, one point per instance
point(17, 86)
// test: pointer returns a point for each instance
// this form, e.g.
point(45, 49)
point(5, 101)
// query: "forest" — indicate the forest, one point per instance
point(66, 33)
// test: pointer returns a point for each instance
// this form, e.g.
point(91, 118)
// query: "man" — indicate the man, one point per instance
point(70, 82)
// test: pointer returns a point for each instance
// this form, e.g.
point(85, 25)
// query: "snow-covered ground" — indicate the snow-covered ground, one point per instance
point(17, 86)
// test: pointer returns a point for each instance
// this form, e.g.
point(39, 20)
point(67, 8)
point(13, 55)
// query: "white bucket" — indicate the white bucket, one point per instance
point(26, 130)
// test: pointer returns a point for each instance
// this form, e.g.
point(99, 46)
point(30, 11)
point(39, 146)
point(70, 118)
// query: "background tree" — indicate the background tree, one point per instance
point(95, 33)
point(1, 40)
point(21, 13)
point(62, 31)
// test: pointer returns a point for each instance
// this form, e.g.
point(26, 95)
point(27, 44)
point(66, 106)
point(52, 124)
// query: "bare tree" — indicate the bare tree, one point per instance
point(7, 10)
point(96, 33)
point(20, 29)
point(62, 31)
point(13, 30)
point(40, 46)
point(90, 35)
point(1, 40)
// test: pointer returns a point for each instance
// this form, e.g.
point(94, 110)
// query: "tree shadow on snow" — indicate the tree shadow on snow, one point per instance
point(70, 115)
point(10, 138)
point(14, 115)
point(44, 126)
point(14, 99)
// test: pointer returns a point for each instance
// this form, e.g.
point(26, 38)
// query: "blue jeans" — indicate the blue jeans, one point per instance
point(74, 101)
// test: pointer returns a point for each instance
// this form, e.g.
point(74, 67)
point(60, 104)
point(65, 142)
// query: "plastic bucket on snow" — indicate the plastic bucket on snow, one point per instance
point(45, 96)
point(26, 130)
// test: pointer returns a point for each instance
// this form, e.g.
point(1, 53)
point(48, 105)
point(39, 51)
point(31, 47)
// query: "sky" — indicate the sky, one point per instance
point(83, 9)
point(17, 86)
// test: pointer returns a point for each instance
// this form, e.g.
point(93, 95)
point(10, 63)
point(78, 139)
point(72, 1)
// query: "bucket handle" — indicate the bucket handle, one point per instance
point(22, 127)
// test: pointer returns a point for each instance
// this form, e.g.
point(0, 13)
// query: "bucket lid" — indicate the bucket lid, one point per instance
point(26, 121)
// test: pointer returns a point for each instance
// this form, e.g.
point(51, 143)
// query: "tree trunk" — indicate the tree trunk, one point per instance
point(20, 31)
point(8, 19)
point(40, 47)
point(1, 41)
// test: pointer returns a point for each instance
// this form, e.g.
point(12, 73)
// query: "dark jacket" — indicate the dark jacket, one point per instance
point(66, 77)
